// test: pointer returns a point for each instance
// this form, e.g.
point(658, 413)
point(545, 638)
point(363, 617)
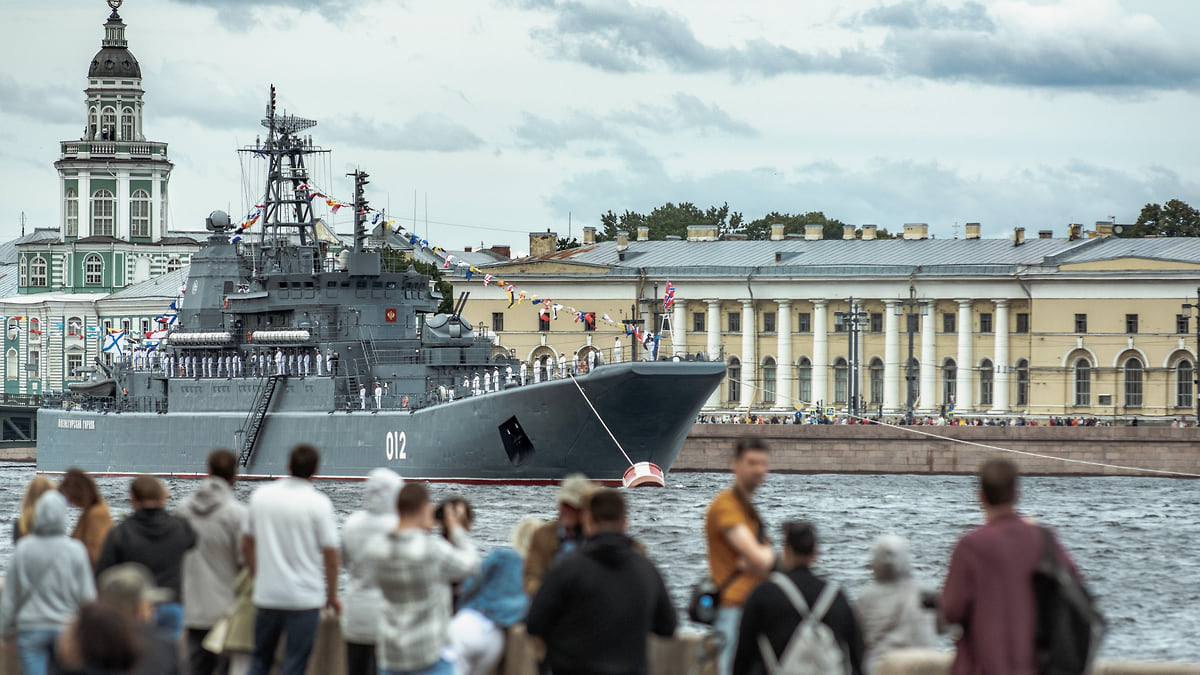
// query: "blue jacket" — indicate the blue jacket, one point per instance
point(496, 592)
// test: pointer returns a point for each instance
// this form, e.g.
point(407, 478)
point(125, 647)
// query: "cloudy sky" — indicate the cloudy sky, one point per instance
point(507, 116)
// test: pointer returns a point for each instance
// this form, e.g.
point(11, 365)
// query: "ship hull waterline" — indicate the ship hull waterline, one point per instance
point(648, 407)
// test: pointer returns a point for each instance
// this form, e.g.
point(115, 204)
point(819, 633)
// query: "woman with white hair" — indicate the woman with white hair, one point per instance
point(490, 603)
point(363, 598)
point(891, 610)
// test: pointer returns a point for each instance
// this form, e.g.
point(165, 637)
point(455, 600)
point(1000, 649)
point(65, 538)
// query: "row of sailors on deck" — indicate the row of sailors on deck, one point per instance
point(227, 364)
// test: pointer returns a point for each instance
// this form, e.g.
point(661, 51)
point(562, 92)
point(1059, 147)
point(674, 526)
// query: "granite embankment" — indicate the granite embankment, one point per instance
point(18, 454)
point(950, 450)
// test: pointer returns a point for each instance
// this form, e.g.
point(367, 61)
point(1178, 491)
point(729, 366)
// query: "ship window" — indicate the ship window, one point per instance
point(360, 284)
point(345, 284)
point(391, 284)
point(283, 284)
point(308, 284)
point(377, 284)
point(331, 284)
point(295, 284)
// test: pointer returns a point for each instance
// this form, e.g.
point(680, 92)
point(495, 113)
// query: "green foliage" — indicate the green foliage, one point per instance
point(1173, 219)
point(669, 219)
point(398, 260)
point(794, 224)
point(564, 243)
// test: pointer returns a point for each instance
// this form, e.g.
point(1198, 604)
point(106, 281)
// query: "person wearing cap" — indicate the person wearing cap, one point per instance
point(597, 605)
point(156, 539)
point(49, 577)
point(363, 598)
point(290, 543)
point(210, 568)
point(557, 538)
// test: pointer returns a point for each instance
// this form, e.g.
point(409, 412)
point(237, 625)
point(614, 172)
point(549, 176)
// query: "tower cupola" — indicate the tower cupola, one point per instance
point(114, 58)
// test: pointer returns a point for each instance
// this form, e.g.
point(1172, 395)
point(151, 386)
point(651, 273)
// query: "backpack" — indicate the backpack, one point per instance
point(1069, 623)
point(813, 649)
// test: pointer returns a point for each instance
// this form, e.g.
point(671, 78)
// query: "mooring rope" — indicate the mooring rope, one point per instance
point(597, 414)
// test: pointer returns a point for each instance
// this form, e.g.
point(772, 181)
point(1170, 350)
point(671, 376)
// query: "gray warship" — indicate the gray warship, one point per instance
point(232, 371)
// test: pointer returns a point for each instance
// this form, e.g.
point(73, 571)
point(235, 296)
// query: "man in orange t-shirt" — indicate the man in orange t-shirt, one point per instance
point(739, 555)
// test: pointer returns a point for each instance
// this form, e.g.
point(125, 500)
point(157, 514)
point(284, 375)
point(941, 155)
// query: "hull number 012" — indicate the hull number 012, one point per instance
point(395, 444)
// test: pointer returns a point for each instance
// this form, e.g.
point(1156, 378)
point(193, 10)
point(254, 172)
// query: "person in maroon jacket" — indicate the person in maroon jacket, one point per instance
point(989, 588)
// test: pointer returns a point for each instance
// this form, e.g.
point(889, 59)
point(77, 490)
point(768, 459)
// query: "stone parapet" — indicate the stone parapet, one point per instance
point(949, 450)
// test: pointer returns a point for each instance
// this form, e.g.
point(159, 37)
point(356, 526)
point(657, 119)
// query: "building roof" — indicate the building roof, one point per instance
point(822, 257)
point(163, 286)
point(8, 250)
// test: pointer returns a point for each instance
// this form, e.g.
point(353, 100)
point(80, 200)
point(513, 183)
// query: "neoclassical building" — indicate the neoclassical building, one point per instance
point(1084, 325)
point(112, 232)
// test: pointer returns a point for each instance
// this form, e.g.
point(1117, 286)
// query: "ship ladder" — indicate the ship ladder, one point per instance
point(258, 413)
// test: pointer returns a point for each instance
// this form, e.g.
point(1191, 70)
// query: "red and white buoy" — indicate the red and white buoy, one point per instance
point(643, 474)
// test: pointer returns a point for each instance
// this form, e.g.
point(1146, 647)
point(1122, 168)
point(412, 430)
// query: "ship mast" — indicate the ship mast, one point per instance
point(288, 239)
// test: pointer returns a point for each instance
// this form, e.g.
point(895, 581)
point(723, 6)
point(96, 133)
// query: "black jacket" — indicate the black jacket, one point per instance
point(153, 538)
point(769, 612)
point(597, 605)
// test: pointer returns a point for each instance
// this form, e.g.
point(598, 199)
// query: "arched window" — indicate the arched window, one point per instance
point(38, 272)
point(108, 124)
point(804, 377)
point(1083, 382)
point(1133, 382)
point(10, 364)
point(71, 213)
point(174, 263)
point(74, 327)
point(949, 382)
point(139, 214)
point(14, 329)
point(23, 271)
point(1184, 376)
point(1022, 382)
point(876, 374)
point(93, 124)
point(768, 381)
point(987, 374)
point(103, 208)
point(127, 124)
point(93, 270)
point(734, 376)
point(35, 329)
point(841, 381)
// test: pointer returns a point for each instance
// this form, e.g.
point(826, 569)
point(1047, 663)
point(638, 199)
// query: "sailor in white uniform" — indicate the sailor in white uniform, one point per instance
point(616, 350)
point(487, 381)
point(475, 385)
point(524, 368)
point(591, 360)
point(362, 396)
point(562, 364)
point(307, 361)
point(278, 361)
point(496, 376)
point(320, 361)
point(508, 374)
point(537, 372)
point(378, 395)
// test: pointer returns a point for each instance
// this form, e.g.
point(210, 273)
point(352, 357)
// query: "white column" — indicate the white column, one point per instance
point(964, 399)
point(1000, 384)
point(927, 393)
point(749, 362)
point(891, 359)
point(785, 388)
point(713, 329)
point(820, 366)
point(679, 328)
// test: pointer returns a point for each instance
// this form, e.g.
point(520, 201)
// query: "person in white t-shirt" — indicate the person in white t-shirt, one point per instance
point(290, 544)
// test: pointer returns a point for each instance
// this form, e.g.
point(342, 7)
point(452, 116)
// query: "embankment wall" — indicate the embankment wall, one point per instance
point(877, 449)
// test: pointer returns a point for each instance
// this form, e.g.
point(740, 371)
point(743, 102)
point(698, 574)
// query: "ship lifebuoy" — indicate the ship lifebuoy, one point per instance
point(404, 402)
point(225, 303)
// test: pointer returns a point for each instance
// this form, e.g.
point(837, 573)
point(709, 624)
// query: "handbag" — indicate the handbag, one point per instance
point(706, 599)
point(214, 640)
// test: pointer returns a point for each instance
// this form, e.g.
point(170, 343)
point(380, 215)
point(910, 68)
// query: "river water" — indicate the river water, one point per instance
point(1137, 540)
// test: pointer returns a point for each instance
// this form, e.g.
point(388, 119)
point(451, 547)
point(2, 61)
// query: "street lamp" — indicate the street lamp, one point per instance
point(910, 308)
point(851, 320)
point(1188, 306)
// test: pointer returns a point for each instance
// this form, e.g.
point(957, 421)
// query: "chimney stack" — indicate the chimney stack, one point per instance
point(1073, 231)
point(542, 243)
point(1045, 234)
point(973, 230)
point(868, 232)
point(589, 236)
point(702, 233)
point(643, 233)
point(777, 232)
point(916, 231)
point(849, 232)
point(1104, 228)
point(622, 240)
point(814, 232)
point(1018, 236)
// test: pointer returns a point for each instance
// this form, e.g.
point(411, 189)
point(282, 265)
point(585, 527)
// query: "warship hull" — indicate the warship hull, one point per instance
point(598, 424)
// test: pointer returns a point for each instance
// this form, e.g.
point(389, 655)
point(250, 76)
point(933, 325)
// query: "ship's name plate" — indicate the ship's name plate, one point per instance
point(68, 423)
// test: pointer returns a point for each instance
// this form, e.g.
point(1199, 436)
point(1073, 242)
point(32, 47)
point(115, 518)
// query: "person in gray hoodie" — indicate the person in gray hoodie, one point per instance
point(363, 599)
point(891, 609)
point(210, 568)
point(49, 578)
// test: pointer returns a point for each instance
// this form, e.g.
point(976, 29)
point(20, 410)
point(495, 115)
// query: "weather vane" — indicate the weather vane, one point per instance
point(115, 4)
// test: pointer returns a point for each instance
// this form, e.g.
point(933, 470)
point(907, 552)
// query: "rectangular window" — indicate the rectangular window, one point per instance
point(949, 322)
point(985, 322)
point(1081, 323)
point(74, 365)
point(876, 322)
point(1022, 322)
point(125, 326)
point(768, 322)
point(497, 322)
point(139, 218)
point(698, 322)
point(735, 322)
point(1131, 323)
point(543, 322)
point(145, 324)
point(1181, 323)
point(735, 384)
point(804, 324)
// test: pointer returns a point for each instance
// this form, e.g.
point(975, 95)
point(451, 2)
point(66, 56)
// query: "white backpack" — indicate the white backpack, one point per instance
point(813, 649)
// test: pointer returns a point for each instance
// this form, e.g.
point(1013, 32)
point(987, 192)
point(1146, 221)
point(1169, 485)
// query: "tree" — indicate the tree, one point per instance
point(1173, 219)
point(669, 219)
point(794, 224)
point(564, 243)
